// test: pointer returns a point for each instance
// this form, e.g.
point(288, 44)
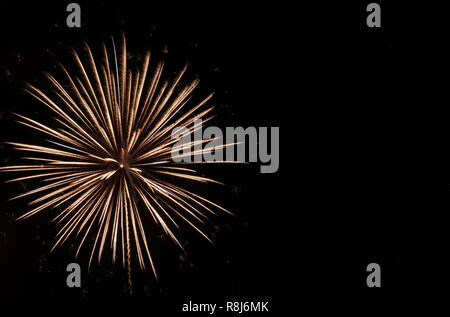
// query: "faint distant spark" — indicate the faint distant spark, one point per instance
point(108, 160)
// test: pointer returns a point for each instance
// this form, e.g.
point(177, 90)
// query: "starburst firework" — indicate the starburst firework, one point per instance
point(108, 159)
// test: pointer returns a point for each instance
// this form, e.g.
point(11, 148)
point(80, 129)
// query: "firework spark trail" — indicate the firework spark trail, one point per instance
point(109, 153)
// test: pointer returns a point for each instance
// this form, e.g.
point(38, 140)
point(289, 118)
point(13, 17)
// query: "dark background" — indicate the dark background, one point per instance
point(363, 163)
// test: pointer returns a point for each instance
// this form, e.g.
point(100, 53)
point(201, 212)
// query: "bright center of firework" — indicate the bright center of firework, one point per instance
point(121, 161)
point(124, 159)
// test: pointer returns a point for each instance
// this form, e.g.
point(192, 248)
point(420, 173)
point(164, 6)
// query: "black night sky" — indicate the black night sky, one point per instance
point(364, 131)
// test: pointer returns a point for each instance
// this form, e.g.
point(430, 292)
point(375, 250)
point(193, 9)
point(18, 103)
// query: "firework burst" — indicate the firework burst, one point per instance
point(107, 160)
